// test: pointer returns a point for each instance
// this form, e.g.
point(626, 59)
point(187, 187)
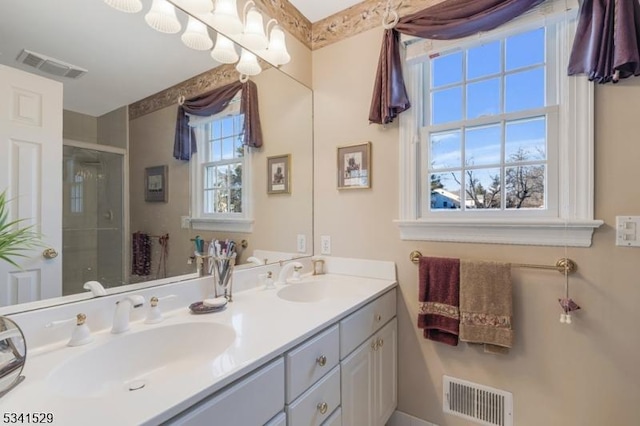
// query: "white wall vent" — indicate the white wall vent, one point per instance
point(50, 65)
point(481, 404)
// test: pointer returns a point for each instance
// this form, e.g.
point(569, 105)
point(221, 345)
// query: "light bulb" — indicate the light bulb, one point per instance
point(198, 7)
point(196, 35)
point(224, 50)
point(127, 6)
point(162, 17)
point(248, 64)
point(225, 17)
point(253, 36)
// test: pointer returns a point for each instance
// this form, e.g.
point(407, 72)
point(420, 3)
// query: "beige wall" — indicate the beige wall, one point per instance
point(584, 374)
point(79, 127)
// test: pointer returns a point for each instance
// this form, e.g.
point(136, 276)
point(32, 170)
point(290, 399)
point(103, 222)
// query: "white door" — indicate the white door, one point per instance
point(31, 173)
point(386, 389)
point(357, 377)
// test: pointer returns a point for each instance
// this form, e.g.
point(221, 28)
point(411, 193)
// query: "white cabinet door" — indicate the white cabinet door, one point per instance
point(369, 380)
point(31, 173)
point(358, 386)
point(386, 365)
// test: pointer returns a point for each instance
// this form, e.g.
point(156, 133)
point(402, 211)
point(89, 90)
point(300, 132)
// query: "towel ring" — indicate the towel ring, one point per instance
point(243, 78)
point(181, 100)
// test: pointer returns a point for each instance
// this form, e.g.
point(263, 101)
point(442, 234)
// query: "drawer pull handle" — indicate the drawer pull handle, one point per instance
point(323, 407)
point(321, 360)
point(380, 342)
point(378, 318)
point(374, 345)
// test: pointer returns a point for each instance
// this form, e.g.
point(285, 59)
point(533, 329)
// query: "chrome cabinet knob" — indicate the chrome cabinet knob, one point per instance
point(323, 407)
point(50, 253)
point(321, 360)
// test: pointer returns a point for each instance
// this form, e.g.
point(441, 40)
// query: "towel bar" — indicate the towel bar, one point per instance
point(561, 265)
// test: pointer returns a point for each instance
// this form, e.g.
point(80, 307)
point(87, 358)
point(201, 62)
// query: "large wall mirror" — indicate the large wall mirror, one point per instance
point(118, 133)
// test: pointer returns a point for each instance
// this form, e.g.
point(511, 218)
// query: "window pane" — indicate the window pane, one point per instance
point(482, 188)
point(525, 90)
point(235, 205)
point(484, 60)
point(482, 145)
point(228, 150)
point(215, 153)
point(446, 150)
point(216, 129)
point(483, 98)
point(208, 202)
point(227, 126)
point(446, 105)
point(526, 140)
point(525, 49)
point(445, 191)
point(525, 186)
point(236, 175)
point(209, 177)
point(446, 69)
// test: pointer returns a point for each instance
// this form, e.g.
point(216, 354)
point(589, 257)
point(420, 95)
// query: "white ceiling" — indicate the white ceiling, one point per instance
point(126, 59)
point(315, 10)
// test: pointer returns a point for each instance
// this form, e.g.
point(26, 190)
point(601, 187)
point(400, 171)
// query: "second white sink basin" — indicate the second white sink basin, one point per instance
point(131, 362)
point(306, 292)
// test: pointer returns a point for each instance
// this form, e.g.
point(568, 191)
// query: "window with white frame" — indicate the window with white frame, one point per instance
point(221, 173)
point(491, 150)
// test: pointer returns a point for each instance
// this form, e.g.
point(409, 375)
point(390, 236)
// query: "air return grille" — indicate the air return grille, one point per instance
point(50, 65)
point(481, 404)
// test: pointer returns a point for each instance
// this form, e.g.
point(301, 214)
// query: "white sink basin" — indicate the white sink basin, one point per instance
point(306, 292)
point(139, 360)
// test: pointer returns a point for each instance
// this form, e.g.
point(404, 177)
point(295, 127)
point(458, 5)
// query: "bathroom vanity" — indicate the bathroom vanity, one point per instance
point(321, 351)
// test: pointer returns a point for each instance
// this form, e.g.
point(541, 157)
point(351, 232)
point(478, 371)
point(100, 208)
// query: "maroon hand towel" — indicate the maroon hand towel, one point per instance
point(439, 294)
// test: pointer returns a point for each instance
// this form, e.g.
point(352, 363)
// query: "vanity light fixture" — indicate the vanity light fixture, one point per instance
point(248, 64)
point(224, 51)
point(162, 17)
point(277, 53)
point(127, 6)
point(253, 36)
point(225, 17)
point(196, 36)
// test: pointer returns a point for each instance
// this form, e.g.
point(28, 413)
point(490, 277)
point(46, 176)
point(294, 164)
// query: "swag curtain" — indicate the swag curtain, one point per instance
point(448, 20)
point(214, 102)
point(607, 43)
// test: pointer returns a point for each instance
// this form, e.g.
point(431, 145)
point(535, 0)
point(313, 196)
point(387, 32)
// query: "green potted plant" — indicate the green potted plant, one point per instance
point(14, 240)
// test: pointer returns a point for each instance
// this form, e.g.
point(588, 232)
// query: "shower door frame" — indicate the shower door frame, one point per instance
point(125, 191)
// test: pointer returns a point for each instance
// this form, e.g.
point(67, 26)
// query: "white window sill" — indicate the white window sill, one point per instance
point(222, 225)
point(549, 232)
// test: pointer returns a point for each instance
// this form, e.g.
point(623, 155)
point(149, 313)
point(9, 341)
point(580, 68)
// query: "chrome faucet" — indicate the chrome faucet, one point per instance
point(123, 312)
point(284, 271)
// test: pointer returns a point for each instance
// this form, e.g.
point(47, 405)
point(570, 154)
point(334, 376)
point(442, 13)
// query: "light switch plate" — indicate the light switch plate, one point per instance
point(628, 231)
point(302, 243)
point(325, 244)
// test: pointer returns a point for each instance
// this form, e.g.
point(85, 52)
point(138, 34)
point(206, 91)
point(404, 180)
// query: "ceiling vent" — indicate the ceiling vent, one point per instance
point(50, 65)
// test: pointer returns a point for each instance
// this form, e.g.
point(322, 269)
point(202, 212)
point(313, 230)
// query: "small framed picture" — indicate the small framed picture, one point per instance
point(156, 184)
point(279, 174)
point(354, 166)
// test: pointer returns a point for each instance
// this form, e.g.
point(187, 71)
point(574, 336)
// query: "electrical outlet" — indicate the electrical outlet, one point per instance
point(325, 244)
point(185, 222)
point(302, 243)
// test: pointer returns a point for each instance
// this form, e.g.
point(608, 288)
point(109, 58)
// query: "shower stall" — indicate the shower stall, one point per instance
point(93, 216)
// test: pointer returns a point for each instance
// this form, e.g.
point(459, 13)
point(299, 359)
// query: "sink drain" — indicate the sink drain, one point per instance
point(137, 385)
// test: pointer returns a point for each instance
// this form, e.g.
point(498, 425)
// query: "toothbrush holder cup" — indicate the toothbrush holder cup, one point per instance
point(223, 275)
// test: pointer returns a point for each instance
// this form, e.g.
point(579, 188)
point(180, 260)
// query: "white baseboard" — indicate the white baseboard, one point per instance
point(398, 418)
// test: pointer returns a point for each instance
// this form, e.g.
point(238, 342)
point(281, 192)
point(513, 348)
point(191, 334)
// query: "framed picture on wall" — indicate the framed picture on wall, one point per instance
point(354, 166)
point(279, 174)
point(156, 184)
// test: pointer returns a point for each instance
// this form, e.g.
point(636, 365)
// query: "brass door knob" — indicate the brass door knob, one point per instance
point(323, 407)
point(380, 342)
point(50, 253)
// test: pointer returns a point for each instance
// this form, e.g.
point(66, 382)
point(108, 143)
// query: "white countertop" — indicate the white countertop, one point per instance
point(265, 327)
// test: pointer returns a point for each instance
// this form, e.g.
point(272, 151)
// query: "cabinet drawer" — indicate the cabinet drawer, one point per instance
point(310, 409)
point(310, 361)
point(357, 327)
point(263, 388)
point(279, 420)
point(335, 419)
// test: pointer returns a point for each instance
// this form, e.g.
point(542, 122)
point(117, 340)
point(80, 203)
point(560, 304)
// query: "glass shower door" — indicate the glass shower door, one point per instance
point(92, 217)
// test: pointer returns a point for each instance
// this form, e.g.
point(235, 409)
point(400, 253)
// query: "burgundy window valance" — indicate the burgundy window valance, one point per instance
point(448, 20)
point(211, 103)
point(607, 43)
